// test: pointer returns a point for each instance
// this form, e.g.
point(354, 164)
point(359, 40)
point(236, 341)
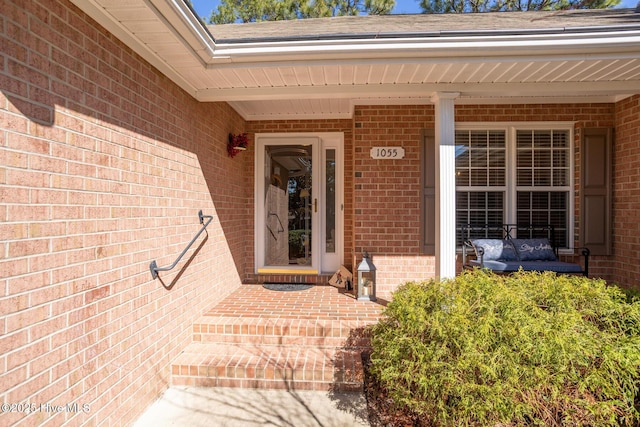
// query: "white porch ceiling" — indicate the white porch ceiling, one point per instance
point(325, 77)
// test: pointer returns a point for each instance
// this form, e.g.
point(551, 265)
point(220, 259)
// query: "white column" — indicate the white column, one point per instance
point(445, 161)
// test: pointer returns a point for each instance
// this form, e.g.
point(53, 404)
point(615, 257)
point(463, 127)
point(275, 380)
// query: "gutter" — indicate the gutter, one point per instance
point(194, 16)
point(429, 34)
point(544, 44)
point(438, 43)
point(179, 16)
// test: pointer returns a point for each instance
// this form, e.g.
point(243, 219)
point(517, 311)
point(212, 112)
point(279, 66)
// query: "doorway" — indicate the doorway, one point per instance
point(299, 203)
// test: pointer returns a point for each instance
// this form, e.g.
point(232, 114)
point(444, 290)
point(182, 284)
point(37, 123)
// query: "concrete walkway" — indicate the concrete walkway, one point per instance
point(236, 407)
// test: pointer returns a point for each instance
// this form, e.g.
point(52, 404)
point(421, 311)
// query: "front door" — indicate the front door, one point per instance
point(298, 203)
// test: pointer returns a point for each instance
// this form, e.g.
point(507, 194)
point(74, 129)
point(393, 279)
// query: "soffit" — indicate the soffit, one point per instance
point(323, 68)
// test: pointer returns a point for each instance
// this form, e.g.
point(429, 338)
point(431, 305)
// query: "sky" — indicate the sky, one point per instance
point(204, 7)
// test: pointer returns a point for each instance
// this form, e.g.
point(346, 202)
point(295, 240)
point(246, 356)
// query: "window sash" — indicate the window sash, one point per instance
point(542, 208)
point(542, 158)
point(480, 158)
point(479, 207)
point(533, 160)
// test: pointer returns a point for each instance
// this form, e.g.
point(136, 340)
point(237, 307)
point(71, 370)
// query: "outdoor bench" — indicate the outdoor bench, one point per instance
point(507, 248)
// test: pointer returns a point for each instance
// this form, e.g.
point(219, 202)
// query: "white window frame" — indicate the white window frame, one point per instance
point(511, 187)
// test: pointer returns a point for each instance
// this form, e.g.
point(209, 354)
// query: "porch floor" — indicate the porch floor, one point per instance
point(259, 338)
point(316, 303)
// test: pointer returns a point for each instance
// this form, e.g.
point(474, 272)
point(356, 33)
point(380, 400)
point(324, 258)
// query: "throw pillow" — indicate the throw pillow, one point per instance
point(495, 249)
point(534, 249)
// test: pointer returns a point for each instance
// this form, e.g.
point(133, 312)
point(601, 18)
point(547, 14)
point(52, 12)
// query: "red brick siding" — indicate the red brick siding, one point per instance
point(626, 201)
point(386, 219)
point(387, 193)
point(104, 164)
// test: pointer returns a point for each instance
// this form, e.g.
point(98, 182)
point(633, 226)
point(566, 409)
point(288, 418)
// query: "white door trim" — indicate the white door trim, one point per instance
point(330, 262)
point(320, 141)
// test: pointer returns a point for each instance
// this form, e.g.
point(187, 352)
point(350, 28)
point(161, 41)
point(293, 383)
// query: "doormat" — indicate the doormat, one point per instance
point(286, 287)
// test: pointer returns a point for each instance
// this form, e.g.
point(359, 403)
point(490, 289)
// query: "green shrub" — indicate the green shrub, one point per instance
point(631, 293)
point(525, 349)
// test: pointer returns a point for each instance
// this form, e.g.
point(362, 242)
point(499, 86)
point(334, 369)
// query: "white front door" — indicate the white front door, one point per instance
point(299, 203)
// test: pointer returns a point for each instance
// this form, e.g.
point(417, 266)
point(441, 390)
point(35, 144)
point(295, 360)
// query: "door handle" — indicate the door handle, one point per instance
point(315, 205)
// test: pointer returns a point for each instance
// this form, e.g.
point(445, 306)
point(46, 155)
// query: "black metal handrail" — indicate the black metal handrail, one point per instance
point(154, 266)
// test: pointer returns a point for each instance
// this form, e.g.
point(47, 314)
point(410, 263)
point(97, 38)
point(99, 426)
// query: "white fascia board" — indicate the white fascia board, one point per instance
point(620, 42)
point(421, 90)
point(529, 56)
point(427, 100)
point(179, 18)
point(493, 99)
point(549, 99)
point(294, 116)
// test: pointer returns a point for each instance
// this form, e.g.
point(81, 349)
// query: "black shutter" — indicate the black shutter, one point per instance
point(428, 193)
point(595, 190)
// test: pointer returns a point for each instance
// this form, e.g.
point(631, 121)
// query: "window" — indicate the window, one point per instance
point(515, 174)
point(480, 176)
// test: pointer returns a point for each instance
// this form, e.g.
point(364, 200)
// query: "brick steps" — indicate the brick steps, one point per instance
point(277, 331)
point(266, 366)
point(272, 353)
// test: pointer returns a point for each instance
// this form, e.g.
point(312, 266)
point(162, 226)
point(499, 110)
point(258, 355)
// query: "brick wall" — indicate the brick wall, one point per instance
point(626, 199)
point(385, 210)
point(387, 193)
point(104, 164)
point(382, 213)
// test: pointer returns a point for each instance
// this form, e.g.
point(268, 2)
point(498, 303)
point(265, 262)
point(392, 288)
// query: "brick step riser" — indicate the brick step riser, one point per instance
point(263, 348)
point(329, 369)
point(270, 330)
point(266, 384)
point(336, 342)
point(271, 374)
point(286, 378)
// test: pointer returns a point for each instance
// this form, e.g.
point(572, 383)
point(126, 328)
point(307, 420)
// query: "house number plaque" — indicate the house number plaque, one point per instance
point(387, 153)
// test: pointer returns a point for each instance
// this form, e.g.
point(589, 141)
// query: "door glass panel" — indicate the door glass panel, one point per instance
point(330, 201)
point(288, 205)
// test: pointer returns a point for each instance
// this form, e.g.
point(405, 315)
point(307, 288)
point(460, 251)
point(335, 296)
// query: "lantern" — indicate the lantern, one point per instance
point(366, 279)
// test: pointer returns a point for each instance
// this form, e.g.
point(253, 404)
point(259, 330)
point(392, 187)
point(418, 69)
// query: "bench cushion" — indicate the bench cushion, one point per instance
point(534, 249)
point(495, 249)
point(511, 266)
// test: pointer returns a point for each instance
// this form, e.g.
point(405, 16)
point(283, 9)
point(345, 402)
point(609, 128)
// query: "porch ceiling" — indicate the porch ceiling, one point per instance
point(323, 68)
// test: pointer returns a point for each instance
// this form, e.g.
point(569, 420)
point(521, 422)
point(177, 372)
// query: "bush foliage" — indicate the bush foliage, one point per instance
point(525, 349)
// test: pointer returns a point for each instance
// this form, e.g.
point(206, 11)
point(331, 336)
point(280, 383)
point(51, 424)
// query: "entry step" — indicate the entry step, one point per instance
point(268, 366)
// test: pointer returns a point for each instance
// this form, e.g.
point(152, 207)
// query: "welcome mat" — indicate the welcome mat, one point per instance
point(287, 287)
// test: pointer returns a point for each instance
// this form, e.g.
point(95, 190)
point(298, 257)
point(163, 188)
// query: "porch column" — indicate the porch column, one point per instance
point(445, 163)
